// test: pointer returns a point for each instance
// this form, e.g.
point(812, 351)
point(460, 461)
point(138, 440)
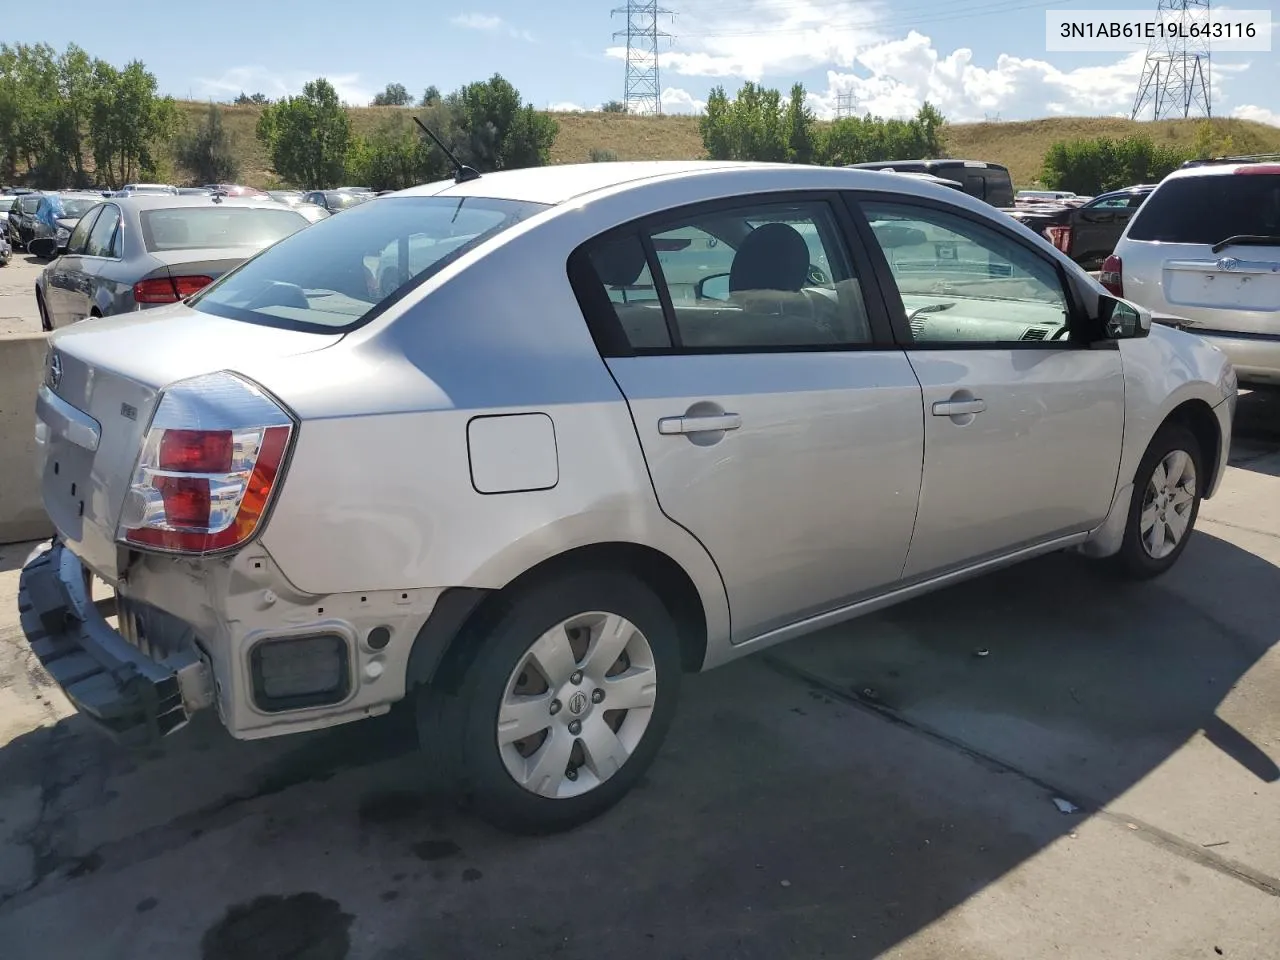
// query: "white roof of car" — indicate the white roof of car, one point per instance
point(1215, 169)
point(563, 182)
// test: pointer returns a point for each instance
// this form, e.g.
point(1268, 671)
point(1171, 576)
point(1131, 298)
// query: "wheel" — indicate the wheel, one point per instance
point(1166, 501)
point(45, 325)
point(570, 688)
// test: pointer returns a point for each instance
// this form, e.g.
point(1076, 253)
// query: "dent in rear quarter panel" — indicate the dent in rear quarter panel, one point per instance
point(379, 493)
point(1162, 371)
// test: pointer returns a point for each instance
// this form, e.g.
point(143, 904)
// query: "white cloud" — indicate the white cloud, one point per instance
point(675, 100)
point(1249, 111)
point(491, 24)
point(257, 79)
point(768, 37)
point(564, 106)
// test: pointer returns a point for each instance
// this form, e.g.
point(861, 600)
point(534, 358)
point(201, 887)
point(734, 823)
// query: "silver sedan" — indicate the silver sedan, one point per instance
point(128, 253)
point(527, 447)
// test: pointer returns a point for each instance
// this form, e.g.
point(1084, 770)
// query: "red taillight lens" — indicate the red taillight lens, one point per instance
point(198, 491)
point(168, 289)
point(1111, 275)
point(187, 286)
point(1060, 237)
point(156, 290)
point(196, 451)
point(186, 501)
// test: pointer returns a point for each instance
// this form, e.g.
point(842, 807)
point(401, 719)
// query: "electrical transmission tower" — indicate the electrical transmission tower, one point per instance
point(643, 92)
point(846, 105)
point(1175, 76)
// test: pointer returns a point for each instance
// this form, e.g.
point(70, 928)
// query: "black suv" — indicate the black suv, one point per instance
point(986, 181)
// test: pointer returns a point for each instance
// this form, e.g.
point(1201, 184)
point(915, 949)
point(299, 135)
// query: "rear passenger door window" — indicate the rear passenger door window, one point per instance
point(762, 276)
point(103, 232)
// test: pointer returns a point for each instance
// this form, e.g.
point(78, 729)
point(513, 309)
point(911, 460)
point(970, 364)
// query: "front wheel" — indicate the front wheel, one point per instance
point(570, 689)
point(1166, 501)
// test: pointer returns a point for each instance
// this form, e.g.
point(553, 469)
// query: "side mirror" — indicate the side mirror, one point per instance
point(714, 287)
point(1122, 320)
point(46, 248)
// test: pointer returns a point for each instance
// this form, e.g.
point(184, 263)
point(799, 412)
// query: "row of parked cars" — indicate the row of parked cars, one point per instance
point(524, 448)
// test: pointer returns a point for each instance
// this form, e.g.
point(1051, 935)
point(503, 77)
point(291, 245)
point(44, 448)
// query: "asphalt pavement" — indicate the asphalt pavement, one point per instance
point(18, 313)
point(1043, 763)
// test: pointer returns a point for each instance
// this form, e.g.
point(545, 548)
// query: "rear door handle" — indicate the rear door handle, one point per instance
point(722, 421)
point(958, 408)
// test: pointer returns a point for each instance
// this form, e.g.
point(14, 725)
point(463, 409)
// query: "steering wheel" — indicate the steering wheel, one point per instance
point(1061, 332)
point(816, 277)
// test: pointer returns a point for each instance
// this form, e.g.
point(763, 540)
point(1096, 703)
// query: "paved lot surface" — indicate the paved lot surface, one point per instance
point(18, 312)
point(877, 790)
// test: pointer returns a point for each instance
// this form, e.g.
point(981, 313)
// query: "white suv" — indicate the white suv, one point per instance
point(1203, 254)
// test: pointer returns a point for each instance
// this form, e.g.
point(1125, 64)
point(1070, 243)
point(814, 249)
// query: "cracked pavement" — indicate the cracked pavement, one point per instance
point(874, 790)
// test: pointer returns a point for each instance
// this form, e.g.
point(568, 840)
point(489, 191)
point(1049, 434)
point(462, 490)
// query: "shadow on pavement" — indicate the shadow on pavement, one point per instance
point(782, 819)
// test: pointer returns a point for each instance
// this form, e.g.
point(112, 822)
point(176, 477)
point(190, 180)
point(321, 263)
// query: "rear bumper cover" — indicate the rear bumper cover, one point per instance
point(132, 697)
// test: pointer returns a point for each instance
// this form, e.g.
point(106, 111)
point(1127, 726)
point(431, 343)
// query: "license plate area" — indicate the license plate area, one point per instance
point(1245, 288)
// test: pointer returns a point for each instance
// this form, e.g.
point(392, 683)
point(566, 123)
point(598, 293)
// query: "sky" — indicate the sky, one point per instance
point(974, 59)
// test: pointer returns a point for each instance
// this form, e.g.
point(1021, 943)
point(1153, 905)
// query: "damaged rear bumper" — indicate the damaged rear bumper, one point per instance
point(133, 697)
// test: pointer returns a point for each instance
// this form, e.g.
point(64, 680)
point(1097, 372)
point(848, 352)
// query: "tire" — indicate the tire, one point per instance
point(567, 757)
point(1136, 558)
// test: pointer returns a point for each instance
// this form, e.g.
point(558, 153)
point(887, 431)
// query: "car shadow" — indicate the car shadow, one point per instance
point(784, 816)
point(1256, 432)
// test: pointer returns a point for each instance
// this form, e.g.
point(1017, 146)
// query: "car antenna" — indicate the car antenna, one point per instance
point(463, 172)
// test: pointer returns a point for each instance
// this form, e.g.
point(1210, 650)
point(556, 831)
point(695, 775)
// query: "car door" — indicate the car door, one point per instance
point(781, 425)
point(65, 276)
point(1097, 226)
point(101, 251)
point(1023, 425)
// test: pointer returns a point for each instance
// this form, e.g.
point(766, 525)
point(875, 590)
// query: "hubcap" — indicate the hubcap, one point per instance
point(1166, 506)
point(577, 705)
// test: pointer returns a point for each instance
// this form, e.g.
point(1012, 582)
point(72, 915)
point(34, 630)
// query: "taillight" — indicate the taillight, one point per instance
point(210, 462)
point(1111, 277)
point(1060, 237)
point(168, 289)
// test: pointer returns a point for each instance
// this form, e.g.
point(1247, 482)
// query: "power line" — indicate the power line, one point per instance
point(1175, 73)
point(643, 91)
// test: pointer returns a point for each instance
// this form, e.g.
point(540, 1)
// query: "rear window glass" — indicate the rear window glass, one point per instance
point(1209, 209)
point(30, 203)
point(196, 228)
point(77, 207)
point(336, 274)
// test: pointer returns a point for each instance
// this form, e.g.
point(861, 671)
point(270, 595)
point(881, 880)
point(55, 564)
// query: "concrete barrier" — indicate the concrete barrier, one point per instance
point(22, 515)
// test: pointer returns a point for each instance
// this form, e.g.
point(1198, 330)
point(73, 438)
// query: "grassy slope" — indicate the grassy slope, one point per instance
point(1019, 145)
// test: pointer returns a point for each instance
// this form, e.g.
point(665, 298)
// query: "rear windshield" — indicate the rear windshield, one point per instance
point(77, 207)
point(1209, 209)
point(341, 271)
point(196, 228)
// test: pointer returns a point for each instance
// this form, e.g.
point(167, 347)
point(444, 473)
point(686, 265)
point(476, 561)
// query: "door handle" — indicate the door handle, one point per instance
point(675, 425)
point(958, 408)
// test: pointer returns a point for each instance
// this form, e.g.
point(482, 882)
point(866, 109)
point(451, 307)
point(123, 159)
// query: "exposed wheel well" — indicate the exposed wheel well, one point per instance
point(1198, 417)
point(660, 573)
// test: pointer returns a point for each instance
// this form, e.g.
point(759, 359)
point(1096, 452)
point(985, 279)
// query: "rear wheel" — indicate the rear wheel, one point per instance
point(567, 697)
point(1166, 501)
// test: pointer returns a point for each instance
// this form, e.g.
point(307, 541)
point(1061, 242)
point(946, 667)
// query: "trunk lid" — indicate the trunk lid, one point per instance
point(211, 263)
point(1236, 290)
point(100, 387)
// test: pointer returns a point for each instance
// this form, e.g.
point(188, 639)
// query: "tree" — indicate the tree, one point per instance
point(394, 96)
point(496, 131)
point(430, 97)
point(750, 127)
point(244, 99)
point(396, 155)
point(307, 136)
point(208, 152)
point(613, 106)
point(127, 121)
point(1093, 166)
point(799, 124)
point(601, 155)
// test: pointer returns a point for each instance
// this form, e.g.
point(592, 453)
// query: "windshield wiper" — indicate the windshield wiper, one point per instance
point(1246, 239)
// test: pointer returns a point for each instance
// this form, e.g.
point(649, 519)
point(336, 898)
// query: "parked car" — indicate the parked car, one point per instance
point(557, 456)
point(21, 220)
point(291, 197)
point(55, 218)
point(335, 201)
point(6, 251)
point(1203, 254)
point(235, 190)
point(131, 253)
point(929, 178)
point(195, 192)
point(1088, 233)
point(986, 181)
point(149, 189)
